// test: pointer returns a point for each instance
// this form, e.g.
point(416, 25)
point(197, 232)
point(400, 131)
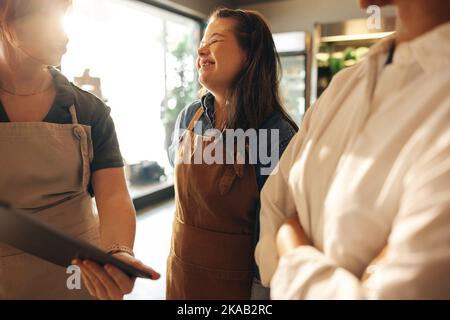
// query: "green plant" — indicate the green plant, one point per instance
point(186, 90)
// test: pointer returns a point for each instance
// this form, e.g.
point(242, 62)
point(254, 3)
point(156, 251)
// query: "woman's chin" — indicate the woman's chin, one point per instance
point(204, 80)
point(54, 60)
point(54, 63)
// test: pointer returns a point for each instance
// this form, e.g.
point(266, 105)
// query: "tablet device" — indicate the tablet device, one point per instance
point(21, 231)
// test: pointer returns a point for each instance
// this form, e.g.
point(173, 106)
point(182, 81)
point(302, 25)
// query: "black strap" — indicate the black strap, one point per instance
point(390, 57)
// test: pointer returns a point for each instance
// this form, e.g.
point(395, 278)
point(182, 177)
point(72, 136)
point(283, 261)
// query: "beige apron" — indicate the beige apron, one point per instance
point(45, 170)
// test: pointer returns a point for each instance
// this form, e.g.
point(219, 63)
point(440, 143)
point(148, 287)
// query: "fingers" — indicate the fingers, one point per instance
point(98, 282)
point(140, 265)
point(110, 282)
point(287, 239)
point(100, 290)
point(294, 222)
point(105, 286)
point(88, 283)
point(86, 280)
point(125, 283)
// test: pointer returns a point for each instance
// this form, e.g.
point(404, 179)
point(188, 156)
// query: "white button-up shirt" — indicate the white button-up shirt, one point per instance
point(369, 168)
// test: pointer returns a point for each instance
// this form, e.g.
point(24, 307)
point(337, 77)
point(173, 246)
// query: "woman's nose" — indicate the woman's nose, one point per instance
point(66, 39)
point(202, 51)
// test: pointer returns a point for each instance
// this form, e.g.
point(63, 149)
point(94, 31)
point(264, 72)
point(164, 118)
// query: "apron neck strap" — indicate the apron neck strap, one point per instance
point(195, 118)
point(73, 114)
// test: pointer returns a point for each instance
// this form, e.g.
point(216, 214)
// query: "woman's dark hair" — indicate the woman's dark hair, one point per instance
point(255, 93)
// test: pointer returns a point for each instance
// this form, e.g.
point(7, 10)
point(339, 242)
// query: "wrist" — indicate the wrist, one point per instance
point(117, 248)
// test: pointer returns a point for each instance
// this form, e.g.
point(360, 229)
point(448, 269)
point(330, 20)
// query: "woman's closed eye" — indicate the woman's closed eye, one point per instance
point(209, 43)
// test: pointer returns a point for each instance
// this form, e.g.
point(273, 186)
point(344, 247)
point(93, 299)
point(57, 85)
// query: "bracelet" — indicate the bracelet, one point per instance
point(118, 249)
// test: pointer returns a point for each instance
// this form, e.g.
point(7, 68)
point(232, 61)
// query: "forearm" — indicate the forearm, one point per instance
point(117, 221)
point(306, 273)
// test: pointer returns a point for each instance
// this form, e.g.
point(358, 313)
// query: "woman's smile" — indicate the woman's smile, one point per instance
point(206, 64)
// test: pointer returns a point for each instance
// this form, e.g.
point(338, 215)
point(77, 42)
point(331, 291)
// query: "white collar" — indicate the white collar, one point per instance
point(430, 50)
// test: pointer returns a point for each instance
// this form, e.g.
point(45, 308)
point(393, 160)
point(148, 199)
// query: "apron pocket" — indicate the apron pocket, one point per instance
point(212, 250)
point(209, 274)
point(192, 282)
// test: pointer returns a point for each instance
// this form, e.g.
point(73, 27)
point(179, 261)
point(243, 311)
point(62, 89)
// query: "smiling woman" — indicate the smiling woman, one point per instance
point(216, 223)
point(252, 66)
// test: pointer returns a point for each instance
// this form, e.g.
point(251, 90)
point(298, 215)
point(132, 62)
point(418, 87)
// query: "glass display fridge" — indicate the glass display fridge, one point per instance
point(293, 50)
point(339, 45)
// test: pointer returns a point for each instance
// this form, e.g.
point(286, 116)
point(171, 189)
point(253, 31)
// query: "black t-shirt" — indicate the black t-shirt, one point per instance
point(91, 111)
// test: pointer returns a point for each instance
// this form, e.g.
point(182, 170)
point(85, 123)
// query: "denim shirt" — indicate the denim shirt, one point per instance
point(274, 121)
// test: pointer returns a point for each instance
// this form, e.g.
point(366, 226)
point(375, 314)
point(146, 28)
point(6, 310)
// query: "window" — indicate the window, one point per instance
point(141, 61)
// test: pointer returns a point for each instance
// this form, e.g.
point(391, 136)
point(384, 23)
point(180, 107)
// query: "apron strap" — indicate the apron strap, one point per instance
point(73, 114)
point(196, 117)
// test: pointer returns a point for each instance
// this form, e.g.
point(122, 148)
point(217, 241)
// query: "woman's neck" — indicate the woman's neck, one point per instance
point(220, 102)
point(418, 17)
point(22, 77)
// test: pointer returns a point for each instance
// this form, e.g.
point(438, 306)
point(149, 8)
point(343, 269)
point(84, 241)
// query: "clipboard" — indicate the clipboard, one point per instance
point(19, 230)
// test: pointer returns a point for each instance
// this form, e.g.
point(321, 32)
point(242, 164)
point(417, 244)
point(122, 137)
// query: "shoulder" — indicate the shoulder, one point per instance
point(278, 121)
point(356, 71)
point(90, 109)
point(345, 83)
point(188, 113)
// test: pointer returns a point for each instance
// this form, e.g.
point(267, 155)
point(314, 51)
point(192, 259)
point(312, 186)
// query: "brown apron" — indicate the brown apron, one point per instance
point(46, 172)
point(212, 244)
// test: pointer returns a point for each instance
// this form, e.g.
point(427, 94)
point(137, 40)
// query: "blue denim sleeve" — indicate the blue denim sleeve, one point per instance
point(183, 120)
point(286, 133)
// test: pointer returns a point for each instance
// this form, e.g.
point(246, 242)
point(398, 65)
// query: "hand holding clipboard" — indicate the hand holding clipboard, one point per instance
point(19, 230)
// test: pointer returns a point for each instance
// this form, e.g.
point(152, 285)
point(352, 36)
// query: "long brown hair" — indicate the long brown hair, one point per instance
point(255, 93)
